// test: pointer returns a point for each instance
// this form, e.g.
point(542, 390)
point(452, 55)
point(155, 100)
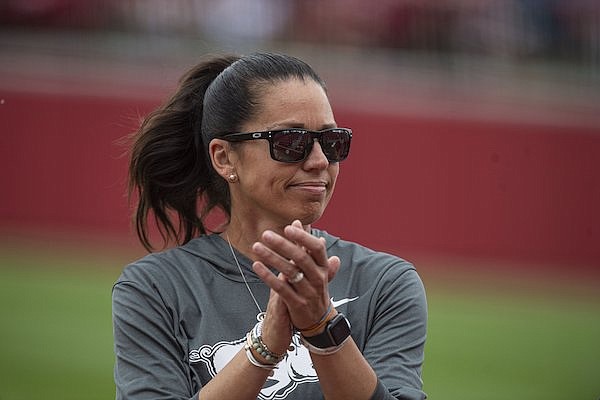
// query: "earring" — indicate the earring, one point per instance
point(232, 178)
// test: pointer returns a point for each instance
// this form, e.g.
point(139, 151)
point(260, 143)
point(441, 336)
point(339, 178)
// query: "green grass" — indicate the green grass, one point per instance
point(512, 347)
point(56, 339)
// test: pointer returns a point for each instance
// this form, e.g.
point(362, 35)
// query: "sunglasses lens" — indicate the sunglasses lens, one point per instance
point(335, 144)
point(290, 145)
point(294, 145)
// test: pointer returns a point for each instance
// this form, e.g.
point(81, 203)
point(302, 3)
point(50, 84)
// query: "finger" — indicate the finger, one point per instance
point(315, 246)
point(297, 255)
point(278, 284)
point(274, 260)
point(296, 278)
point(333, 266)
point(298, 224)
point(300, 310)
point(333, 263)
point(276, 327)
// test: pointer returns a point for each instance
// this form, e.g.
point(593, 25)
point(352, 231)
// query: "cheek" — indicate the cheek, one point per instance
point(334, 171)
point(271, 178)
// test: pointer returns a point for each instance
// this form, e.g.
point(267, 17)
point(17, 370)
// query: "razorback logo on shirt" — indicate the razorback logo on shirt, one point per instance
point(295, 369)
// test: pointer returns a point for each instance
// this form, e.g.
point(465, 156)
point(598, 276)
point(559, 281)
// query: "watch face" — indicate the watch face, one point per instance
point(339, 330)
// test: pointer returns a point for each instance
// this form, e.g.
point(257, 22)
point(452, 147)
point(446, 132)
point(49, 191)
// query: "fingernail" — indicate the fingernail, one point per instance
point(292, 227)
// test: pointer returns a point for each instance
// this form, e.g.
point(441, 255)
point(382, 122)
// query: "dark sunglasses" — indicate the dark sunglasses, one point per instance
point(294, 145)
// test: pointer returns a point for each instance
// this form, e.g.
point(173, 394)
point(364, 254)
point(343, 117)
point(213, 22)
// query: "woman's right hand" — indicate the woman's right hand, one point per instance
point(277, 327)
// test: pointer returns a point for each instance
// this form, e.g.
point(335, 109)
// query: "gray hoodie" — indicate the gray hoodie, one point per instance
point(180, 315)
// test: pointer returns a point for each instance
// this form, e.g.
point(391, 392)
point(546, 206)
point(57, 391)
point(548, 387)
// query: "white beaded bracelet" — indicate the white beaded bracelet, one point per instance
point(261, 348)
point(253, 359)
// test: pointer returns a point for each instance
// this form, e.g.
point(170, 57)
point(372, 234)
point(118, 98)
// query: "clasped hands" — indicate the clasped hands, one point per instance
point(299, 292)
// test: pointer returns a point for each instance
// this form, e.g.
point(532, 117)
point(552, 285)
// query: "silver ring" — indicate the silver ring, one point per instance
point(296, 278)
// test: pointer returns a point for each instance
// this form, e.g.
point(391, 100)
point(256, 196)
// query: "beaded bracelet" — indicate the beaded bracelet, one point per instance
point(252, 359)
point(261, 348)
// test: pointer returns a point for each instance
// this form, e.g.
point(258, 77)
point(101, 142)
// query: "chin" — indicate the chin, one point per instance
point(309, 215)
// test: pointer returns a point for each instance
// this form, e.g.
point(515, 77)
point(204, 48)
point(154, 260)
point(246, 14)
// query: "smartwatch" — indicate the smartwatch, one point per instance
point(336, 332)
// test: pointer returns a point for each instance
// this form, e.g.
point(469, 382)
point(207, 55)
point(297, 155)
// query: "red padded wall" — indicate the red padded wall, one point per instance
point(501, 190)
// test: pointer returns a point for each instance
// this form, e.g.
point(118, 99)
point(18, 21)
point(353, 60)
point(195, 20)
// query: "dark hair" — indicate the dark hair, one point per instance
point(170, 170)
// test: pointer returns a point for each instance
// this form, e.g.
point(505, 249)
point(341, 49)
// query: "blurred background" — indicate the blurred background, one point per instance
point(476, 156)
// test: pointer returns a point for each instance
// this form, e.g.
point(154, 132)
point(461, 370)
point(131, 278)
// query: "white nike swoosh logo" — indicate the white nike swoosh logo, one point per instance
point(342, 301)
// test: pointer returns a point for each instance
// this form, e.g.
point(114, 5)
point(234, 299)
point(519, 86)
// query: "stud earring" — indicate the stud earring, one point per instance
point(232, 178)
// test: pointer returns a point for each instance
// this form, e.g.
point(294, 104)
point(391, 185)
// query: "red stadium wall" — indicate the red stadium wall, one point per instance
point(441, 187)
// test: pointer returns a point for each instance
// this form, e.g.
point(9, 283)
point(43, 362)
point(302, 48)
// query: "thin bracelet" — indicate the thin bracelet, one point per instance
point(320, 321)
point(315, 331)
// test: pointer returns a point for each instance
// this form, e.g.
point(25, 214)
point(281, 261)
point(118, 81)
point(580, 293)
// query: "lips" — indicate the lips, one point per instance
point(311, 186)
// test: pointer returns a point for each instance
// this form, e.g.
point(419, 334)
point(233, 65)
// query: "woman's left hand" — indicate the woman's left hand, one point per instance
point(298, 251)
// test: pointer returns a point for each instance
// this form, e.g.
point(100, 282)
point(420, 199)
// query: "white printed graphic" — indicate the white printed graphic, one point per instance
point(296, 367)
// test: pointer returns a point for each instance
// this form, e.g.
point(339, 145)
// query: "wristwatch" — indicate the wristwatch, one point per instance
point(336, 332)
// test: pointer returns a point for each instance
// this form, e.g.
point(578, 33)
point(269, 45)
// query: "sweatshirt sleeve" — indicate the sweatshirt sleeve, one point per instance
point(395, 343)
point(150, 362)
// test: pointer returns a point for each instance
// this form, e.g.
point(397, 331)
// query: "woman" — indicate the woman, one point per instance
point(267, 307)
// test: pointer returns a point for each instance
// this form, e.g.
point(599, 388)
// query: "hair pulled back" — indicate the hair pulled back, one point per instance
point(170, 170)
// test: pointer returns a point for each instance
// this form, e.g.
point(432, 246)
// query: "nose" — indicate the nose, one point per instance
point(316, 158)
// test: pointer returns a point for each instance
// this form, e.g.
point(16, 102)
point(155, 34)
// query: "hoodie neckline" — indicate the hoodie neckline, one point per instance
point(216, 252)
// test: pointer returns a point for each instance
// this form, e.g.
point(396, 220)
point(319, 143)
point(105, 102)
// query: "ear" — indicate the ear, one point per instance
point(221, 157)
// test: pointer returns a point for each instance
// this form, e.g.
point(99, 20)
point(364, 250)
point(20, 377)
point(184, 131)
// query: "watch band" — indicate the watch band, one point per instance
point(323, 352)
point(336, 332)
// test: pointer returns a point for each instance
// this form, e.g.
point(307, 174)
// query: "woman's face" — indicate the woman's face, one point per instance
point(273, 192)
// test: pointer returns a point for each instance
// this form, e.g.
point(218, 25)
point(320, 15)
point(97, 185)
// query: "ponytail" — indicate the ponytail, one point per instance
point(169, 169)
